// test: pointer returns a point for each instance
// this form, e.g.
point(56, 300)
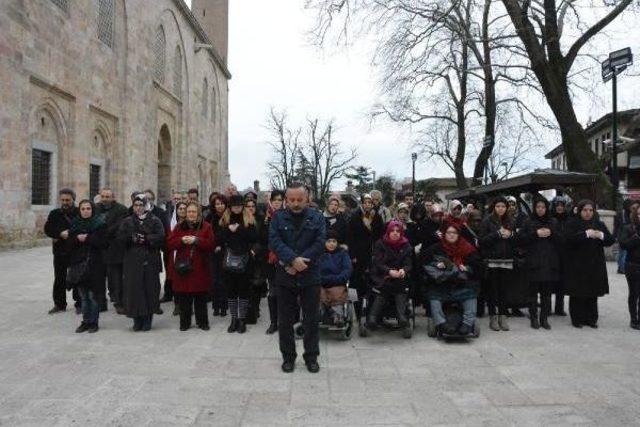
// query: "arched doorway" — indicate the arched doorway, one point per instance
point(164, 165)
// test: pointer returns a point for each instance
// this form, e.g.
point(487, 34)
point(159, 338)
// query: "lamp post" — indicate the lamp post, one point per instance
point(414, 157)
point(617, 62)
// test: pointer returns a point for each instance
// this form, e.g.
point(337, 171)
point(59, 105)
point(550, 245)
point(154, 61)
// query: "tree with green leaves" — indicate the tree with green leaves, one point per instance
point(361, 177)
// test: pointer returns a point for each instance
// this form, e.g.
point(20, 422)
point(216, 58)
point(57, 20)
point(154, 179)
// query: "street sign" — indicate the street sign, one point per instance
point(621, 57)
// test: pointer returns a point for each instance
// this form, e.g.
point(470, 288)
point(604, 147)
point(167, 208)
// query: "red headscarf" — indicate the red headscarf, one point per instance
point(394, 244)
point(459, 250)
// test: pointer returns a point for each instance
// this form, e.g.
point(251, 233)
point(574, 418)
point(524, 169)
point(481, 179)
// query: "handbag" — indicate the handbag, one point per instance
point(184, 265)
point(235, 263)
point(77, 273)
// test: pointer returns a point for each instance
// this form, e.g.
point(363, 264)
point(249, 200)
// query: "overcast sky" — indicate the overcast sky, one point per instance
point(272, 65)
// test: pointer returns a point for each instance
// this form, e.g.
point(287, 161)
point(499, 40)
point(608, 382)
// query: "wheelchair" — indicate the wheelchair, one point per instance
point(388, 314)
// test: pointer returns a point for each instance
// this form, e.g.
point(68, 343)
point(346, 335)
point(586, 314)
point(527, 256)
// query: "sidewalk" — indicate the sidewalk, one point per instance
point(51, 376)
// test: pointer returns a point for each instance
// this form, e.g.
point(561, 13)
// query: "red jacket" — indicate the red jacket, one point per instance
point(200, 279)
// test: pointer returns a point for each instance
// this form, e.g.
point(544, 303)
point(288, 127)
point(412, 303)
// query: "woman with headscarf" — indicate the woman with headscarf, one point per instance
point(630, 242)
point(238, 234)
point(276, 203)
point(335, 220)
point(462, 285)
point(191, 244)
point(218, 286)
point(177, 217)
point(561, 212)
point(497, 246)
point(541, 240)
point(586, 271)
point(142, 235)
point(455, 216)
point(390, 267)
point(365, 229)
point(87, 239)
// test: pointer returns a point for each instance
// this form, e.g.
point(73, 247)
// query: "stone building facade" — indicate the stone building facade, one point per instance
point(129, 94)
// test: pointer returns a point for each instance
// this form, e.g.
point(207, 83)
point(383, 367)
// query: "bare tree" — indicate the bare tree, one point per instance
point(541, 25)
point(311, 154)
point(329, 162)
point(430, 44)
point(285, 144)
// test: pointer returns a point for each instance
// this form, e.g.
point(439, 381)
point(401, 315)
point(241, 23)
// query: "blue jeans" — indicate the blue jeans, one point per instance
point(622, 258)
point(90, 306)
point(469, 308)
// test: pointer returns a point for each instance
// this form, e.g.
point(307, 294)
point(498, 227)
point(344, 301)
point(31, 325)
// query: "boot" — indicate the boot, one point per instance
point(375, 312)
point(401, 307)
point(233, 326)
point(272, 329)
point(559, 309)
point(544, 322)
point(533, 316)
point(545, 310)
point(502, 321)
point(493, 323)
point(241, 326)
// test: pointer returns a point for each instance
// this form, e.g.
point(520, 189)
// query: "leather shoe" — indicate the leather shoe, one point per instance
point(82, 328)
point(312, 366)
point(56, 309)
point(288, 366)
point(272, 329)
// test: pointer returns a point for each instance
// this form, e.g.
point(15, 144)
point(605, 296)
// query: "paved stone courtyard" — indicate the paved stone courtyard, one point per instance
point(51, 376)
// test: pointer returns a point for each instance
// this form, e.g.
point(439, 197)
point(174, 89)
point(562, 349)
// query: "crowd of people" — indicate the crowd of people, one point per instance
point(238, 249)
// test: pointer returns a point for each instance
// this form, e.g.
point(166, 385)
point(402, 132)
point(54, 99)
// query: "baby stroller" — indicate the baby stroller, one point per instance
point(388, 317)
point(342, 329)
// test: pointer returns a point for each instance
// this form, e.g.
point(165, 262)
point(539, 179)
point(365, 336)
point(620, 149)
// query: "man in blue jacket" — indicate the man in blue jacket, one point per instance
point(297, 236)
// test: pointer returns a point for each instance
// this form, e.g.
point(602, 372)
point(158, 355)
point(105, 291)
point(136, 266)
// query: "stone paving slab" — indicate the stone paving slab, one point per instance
point(51, 376)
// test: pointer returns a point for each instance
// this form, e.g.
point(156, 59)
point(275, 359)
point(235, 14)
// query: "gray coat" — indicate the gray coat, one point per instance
point(141, 265)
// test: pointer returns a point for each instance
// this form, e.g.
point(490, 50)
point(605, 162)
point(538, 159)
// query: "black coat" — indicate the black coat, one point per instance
point(542, 255)
point(113, 216)
point(361, 239)
point(492, 246)
point(337, 224)
point(91, 248)
point(57, 222)
point(458, 291)
point(384, 259)
point(141, 265)
point(586, 268)
point(630, 241)
point(242, 241)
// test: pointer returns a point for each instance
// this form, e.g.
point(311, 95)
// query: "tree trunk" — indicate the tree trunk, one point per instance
point(580, 158)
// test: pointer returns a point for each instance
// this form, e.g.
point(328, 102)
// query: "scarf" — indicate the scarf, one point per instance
point(395, 244)
point(458, 251)
point(367, 217)
point(81, 225)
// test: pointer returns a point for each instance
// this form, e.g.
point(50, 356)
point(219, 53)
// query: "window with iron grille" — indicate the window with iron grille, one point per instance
point(105, 21)
point(62, 4)
point(205, 97)
point(159, 47)
point(177, 73)
point(94, 180)
point(40, 177)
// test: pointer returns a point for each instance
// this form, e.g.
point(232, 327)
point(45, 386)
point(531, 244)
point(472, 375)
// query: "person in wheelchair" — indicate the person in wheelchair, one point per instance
point(452, 268)
point(390, 267)
point(335, 270)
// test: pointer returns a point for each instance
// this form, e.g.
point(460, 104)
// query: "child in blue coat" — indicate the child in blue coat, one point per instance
point(335, 270)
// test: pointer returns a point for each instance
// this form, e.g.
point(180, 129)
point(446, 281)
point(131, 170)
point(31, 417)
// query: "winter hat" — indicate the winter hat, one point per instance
point(332, 234)
point(366, 196)
point(403, 206)
point(455, 204)
point(236, 200)
point(276, 193)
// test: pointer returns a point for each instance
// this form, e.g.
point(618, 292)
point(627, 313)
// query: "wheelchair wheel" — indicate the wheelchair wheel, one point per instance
point(432, 330)
point(345, 334)
point(407, 332)
point(299, 331)
point(476, 329)
point(363, 331)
